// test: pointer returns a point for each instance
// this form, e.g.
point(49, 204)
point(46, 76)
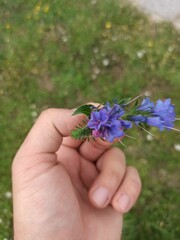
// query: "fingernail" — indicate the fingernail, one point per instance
point(124, 202)
point(101, 196)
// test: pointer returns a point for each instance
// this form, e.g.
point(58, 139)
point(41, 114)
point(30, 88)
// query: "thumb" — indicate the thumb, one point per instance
point(45, 138)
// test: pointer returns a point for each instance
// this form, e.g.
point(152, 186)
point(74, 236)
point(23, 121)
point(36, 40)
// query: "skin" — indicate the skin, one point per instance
point(55, 182)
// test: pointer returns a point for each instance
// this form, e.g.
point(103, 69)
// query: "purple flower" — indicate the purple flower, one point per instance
point(154, 121)
point(138, 118)
point(163, 115)
point(114, 112)
point(110, 133)
point(98, 119)
point(106, 122)
point(146, 105)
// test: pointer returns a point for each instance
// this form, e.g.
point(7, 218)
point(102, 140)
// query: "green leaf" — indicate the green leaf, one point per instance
point(85, 109)
point(134, 111)
point(136, 104)
point(81, 133)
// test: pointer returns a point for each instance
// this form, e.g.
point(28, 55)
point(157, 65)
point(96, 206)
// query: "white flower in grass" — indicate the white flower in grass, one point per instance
point(147, 93)
point(65, 39)
point(93, 2)
point(170, 49)
point(141, 53)
point(106, 62)
point(8, 195)
point(149, 137)
point(94, 76)
point(177, 147)
point(95, 50)
point(97, 71)
point(33, 106)
point(34, 114)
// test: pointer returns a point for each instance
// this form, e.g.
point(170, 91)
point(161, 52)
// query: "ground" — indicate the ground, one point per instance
point(161, 10)
point(66, 53)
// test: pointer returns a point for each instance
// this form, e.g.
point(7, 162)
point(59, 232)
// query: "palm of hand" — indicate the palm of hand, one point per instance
point(56, 198)
point(53, 189)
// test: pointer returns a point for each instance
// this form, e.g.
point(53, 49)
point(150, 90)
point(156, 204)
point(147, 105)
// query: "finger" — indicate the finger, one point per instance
point(128, 191)
point(46, 135)
point(112, 170)
point(93, 149)
point(72, 143)
point(88, 172)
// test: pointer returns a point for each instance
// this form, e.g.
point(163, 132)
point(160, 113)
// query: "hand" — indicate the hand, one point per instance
point(69, 190)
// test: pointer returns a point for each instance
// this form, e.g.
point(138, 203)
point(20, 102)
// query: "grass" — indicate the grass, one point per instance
point(65, 53)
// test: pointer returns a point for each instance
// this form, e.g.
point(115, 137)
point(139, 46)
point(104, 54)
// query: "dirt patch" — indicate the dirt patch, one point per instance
point(117, 71)
point(46, 83)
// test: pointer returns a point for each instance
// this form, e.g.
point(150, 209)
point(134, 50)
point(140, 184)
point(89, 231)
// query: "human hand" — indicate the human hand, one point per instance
point(67, 189)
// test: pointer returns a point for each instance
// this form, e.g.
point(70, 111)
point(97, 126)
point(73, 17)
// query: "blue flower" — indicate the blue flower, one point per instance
point(110, 133)
point(146, 105)
point(98, 119)
point(155, 121)
point(114, 112)
point(138, 118)
point(163, 115)
point(106, 122)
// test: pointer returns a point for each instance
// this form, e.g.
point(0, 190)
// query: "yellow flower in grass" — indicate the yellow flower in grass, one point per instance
point(46, 8)
point(7, 26)
point(108, 25)
point(150, 44)
point(37, 8)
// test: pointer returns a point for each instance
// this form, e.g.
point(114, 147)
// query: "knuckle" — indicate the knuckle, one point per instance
point(47, 111)
point(100, 144)
point(46, 114)
point(120, 154)
point(136, 186)
point(112, 177)
point(133, 171)
point(115, 176)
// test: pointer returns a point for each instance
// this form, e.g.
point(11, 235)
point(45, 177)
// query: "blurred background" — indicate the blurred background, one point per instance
point(59, 53)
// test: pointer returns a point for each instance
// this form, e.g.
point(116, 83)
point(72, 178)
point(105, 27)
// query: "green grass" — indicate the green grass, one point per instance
point(52, 54)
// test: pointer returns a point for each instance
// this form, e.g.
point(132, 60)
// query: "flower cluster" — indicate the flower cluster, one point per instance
point(107, 122)
point(160, 115)
point(111, 121)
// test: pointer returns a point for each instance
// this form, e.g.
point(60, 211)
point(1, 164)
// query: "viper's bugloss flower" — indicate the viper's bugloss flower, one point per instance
point(160, 115)
point(106, 122)
point(112, 120)
point(138, 118)
point(146, 105)
point(163, 115)
point(98, 119)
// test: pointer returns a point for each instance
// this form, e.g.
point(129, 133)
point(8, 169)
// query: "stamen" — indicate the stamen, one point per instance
point(122, 143)
point(135, 98)
point(175, 129)
point(146, 131)
point(130, 136)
